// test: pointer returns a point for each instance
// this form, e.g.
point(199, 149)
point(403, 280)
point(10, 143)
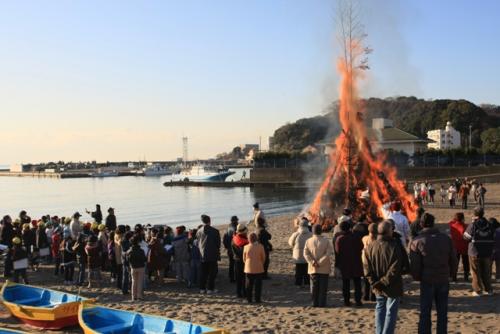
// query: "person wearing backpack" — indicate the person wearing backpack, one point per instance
point(481, 237)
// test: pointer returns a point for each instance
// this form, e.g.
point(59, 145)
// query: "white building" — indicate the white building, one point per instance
point(444, 139)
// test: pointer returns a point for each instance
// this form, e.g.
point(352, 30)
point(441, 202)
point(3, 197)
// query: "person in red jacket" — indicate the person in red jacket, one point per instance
point(457, 229)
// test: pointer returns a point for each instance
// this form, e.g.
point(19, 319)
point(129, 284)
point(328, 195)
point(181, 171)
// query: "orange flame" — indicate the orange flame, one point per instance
point(354, 167)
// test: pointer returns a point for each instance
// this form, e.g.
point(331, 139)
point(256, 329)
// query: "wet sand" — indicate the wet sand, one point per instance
point(286, 308)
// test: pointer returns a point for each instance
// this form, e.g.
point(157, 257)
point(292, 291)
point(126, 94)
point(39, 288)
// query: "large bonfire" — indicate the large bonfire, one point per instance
point(357, 177)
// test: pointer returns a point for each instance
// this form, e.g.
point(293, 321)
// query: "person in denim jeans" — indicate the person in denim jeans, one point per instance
point(383, 267)
point(433, 261)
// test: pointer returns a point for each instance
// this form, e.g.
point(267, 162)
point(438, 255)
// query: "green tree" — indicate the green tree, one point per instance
point(491, 140)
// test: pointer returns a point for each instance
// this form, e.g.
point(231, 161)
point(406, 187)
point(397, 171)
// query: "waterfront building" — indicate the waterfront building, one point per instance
point(384, 136)
point(446, 139)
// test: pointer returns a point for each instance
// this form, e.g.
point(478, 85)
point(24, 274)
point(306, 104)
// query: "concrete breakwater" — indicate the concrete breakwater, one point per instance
point(58, 175)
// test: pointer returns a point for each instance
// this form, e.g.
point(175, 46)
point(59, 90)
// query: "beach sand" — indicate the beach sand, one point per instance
point(286, 308)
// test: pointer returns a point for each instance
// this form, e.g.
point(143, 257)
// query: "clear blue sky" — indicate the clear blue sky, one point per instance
point(119, 80)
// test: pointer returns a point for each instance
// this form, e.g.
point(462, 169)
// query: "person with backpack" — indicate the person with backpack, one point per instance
point(481, 237)
point(226, 241)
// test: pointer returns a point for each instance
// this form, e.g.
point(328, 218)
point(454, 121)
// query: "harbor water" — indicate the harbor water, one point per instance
point(142, 199)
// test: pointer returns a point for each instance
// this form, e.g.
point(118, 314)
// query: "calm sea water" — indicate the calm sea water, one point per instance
point(141, 199)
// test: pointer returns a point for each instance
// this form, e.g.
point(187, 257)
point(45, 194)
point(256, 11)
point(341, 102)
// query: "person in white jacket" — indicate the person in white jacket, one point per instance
point(75, 226)
point(297, 242)
point(402, 226)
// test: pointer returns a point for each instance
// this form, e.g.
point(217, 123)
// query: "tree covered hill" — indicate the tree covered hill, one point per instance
point(410, 114)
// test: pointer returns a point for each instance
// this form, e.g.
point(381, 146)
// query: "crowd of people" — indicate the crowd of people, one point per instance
point(135, 256)
point(381, 253)
point(424, 193)
point(373, 256)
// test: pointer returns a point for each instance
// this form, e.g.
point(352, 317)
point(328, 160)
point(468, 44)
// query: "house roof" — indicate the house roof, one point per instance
point(386, 135)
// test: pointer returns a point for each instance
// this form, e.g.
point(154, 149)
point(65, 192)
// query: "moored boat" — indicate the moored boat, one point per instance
point(200, 173)
point(40, 307)
point(102, 320)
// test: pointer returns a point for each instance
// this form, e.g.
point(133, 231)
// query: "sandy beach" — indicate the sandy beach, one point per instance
point(286, 308)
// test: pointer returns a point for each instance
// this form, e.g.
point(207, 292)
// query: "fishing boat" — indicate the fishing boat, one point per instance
point(200, 173)
point(98, 319)
point(40, 307)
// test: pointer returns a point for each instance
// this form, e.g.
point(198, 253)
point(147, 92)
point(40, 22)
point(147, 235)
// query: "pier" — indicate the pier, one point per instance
point(236, 184)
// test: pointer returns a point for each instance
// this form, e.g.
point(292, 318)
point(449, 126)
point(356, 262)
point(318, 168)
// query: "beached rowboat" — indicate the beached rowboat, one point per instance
point(98, 319)
point(10, 331)
point(39, 307)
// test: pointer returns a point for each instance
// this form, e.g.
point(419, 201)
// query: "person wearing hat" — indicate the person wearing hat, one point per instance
point(226, 240)
point(239, 241)
point(209, 244)
point(111, 220)
point(18, 254)
point(75, 226)
point(257, 213)
point(297, 242)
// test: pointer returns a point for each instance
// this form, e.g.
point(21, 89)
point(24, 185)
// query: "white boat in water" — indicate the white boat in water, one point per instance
point(156, 170)
point(199, 173)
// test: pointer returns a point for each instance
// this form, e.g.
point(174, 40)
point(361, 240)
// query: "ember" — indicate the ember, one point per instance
point(357, 177)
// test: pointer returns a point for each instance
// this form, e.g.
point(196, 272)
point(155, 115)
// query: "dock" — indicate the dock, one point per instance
point(237, 184)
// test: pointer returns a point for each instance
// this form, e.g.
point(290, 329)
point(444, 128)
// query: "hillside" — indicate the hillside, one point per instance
point(413, 115)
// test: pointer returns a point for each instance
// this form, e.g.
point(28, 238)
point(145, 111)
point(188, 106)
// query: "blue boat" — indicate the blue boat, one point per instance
point(103, 320)
point(40, 307)
point(9, 331)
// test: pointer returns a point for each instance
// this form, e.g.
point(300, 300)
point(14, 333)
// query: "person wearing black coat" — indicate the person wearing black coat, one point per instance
point(6, 239)
point(264, 238)
point(111, 220)
point(137, 261)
